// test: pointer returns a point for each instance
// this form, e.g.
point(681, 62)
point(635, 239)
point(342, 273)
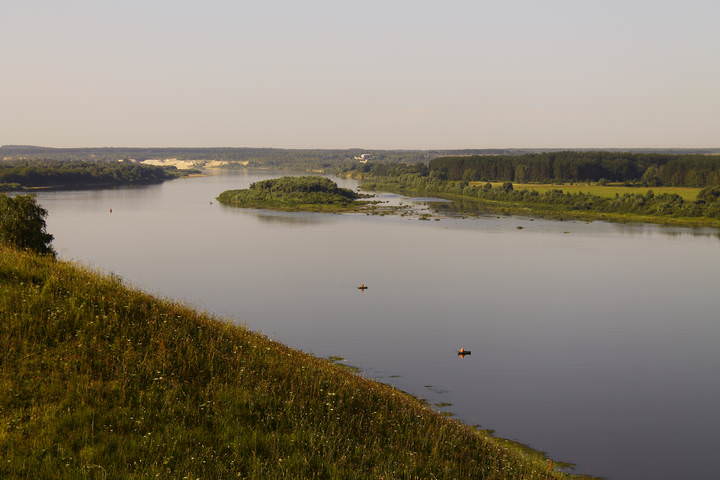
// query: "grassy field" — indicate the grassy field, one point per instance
point(100, 381)
point(608, 191)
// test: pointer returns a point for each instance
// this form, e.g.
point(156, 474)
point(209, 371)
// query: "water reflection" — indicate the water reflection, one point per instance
point(469, 208)
point(667, 230)
point(90, 200)
point(291, 218)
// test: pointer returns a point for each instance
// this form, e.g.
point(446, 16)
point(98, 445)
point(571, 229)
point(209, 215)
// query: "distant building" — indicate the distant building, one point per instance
point(363, 157)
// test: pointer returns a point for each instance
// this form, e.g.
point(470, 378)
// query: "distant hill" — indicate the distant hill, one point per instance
point(278, 157)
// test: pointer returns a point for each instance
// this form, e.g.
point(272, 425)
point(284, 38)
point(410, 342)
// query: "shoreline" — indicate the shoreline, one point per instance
point(242, 358)
point(548, 211)
point(94, 186)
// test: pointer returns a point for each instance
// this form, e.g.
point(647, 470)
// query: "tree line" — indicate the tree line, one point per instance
point(266, 157)
point(51, 173)
point(651, 169)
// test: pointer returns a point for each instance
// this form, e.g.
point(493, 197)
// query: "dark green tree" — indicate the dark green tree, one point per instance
point(651, 177)
point(709, 194)
point(469, 175)
point(22, 224)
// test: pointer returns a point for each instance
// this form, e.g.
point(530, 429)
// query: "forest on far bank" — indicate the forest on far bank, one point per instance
point(19, 174)
point(651, 169)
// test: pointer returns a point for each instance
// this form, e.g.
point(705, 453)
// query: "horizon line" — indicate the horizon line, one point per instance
point(417, 149)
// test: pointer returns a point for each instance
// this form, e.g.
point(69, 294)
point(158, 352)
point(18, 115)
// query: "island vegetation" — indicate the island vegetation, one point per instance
point(33, 174)
point(308, 193)
point(99, 381)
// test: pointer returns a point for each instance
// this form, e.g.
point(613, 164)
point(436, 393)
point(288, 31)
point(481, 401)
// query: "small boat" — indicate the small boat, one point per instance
point(462, 352)
point(362, 287)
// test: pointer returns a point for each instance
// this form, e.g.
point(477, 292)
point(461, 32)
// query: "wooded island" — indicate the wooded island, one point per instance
point(314, 194)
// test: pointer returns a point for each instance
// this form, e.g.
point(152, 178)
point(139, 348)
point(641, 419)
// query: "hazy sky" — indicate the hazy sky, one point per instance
point(408, 74)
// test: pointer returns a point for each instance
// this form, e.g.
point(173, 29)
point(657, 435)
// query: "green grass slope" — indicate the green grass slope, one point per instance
point(100, 381)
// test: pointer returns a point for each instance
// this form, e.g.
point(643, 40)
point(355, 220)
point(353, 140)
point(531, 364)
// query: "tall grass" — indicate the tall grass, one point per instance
point(607, 191)
point(100, 381)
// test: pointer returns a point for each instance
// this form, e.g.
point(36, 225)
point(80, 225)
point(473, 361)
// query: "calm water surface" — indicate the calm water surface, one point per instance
point(598, 346)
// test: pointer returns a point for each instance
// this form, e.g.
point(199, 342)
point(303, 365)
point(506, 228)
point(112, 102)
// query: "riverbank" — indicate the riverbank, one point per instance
point(103, 381)
point(469, 204)
point(87, 186)
point(41, 175)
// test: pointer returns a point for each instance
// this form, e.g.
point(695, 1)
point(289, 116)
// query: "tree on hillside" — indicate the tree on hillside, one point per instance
point(22, 224)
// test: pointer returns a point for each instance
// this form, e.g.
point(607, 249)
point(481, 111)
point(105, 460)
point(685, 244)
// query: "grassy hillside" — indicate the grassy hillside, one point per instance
point(100, 381)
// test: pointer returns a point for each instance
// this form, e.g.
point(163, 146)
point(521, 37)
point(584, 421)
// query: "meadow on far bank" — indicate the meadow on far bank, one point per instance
point(607, 191)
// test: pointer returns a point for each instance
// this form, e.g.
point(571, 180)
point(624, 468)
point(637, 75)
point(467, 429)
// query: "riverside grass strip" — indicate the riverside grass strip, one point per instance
point(606, 191)
point(470, 204)
point(98, 380)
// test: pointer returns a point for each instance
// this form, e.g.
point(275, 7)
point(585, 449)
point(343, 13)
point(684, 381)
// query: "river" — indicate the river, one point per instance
point(594, 342)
